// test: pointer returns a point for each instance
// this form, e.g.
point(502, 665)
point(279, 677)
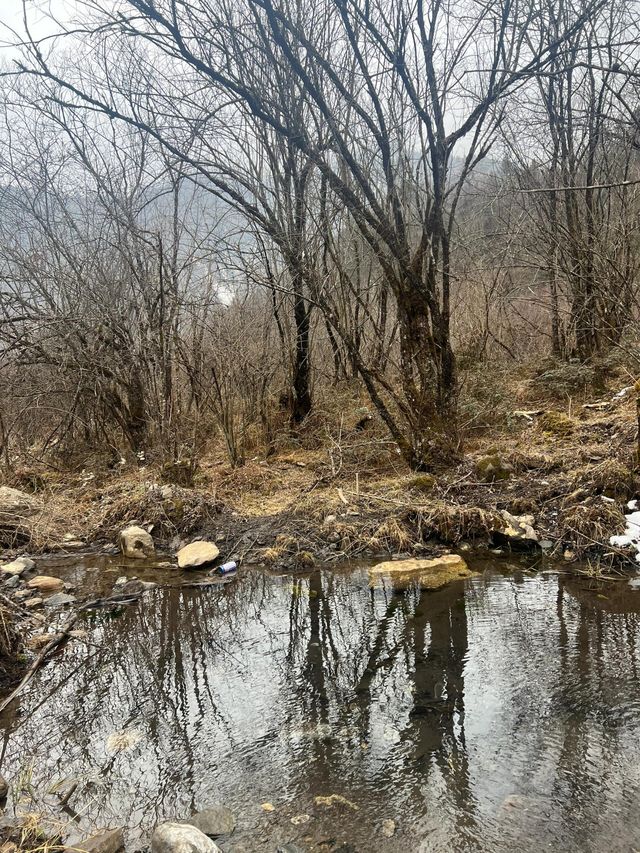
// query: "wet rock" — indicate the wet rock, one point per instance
point(197, 554)
point(60, 599)
point(4, 788)
point(181, 838)
point(214, 820)
point(17, 567)
point(491, 469)
point(136, 543)
point(45, 583)
point(134, 587)
point(428, 574)
point(388, 828)
point(517, 532)
point(104, 841)
point(32, 603)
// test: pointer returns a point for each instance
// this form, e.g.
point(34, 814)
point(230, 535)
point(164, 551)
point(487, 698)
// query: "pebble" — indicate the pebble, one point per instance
point(31, 603)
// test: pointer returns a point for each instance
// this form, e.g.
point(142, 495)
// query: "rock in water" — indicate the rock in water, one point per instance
point(181, 838)
point(104, 841)
point(18, 566)
point(428, 574)
point(197, 554)
point(215, 820)
point(45, 583)
point(136, 543)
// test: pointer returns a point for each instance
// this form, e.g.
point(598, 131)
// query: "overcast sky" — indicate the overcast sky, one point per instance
point(38, 10)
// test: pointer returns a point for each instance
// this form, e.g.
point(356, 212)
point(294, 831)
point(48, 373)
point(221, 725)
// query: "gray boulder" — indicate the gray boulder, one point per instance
point(181, 838)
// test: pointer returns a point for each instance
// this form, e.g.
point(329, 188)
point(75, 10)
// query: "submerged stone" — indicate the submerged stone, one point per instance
point(104, 841)
point(181, 838)
point(214, 820)
point(428, 574)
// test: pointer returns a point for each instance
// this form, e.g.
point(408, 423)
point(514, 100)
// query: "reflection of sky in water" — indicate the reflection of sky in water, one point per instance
point(497, 716)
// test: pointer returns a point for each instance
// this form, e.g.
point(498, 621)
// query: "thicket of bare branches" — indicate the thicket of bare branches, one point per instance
point(213, 210)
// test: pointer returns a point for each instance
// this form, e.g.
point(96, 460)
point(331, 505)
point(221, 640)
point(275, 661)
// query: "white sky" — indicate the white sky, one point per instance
point(37, 12)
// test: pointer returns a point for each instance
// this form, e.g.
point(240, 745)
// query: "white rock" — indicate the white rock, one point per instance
point(197, 554)
point(136, 543)
point(181, 838)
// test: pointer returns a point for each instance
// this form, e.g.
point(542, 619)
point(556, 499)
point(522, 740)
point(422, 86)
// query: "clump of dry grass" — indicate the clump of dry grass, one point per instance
point(452, 523)
point(283, 548)
point(170, 510)
point(589, 526)
point(391, 535)
point(531, 460)
point(556, 424)
point(610, 478)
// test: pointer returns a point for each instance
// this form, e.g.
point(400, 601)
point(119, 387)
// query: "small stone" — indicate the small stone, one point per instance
point(44, 583)
point(12, 582)
point(181, 838)
point(32, 603)
point(214, 820)
point(267, 807)
point(300, 819)
point(136, 543)
point(103, 841)
point(197, 554)
point(388, 828)
point(18, 566)
point(336, 800)
point(60, 599)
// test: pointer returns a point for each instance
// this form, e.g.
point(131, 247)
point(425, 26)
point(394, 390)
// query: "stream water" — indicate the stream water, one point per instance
point(500, 713)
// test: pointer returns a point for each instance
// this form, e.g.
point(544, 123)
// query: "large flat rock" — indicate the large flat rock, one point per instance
point(428, 574)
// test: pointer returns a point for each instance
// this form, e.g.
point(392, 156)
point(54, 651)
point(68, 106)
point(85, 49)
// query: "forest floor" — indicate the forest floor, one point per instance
point(544, 444)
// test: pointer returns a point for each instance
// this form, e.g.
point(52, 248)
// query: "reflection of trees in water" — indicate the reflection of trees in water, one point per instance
point(186, 668)
point(318, 684)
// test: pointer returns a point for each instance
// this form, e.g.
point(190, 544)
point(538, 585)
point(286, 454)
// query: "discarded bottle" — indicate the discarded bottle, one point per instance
point(227, 568)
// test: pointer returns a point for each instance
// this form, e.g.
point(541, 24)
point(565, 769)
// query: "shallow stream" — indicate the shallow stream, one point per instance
point(500, 713)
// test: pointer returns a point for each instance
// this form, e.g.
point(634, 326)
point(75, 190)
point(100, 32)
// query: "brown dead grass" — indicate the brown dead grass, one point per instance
point(587, 527)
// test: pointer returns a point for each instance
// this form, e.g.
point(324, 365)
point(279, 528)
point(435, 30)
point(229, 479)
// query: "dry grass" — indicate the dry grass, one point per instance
point(453, 523)
point(587, 527)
